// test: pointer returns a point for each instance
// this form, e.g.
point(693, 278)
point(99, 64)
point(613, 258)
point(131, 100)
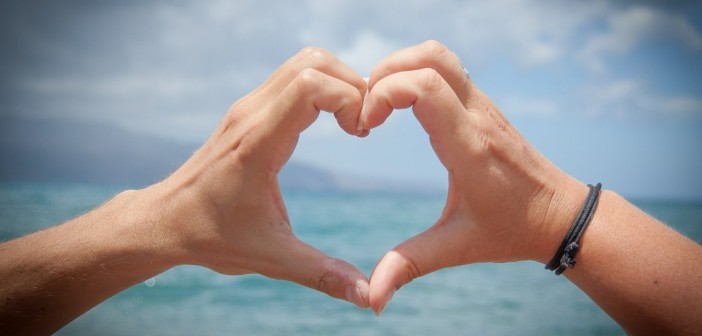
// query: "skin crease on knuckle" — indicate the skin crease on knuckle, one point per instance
point(408, 263)
point(430, 86)
point(345, 116)
point(315, 89)
point(306, 84)
point(324, 276)
point(438, 56)
point(413, 271)
point(315, 57)
point(435, 52)
point(430, 83)
point(297, 99)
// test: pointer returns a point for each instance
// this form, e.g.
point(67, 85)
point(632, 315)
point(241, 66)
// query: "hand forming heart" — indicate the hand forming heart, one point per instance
point(223, 209)
point(502, 193)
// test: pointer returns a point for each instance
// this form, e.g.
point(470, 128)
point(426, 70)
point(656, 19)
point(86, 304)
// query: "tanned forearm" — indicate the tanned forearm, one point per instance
point(642, 273)
point(49, 278)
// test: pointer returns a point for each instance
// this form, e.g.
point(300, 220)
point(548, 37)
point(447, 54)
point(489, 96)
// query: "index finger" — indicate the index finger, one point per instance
point(318, 59)
point(430, 54)
point(434, 103)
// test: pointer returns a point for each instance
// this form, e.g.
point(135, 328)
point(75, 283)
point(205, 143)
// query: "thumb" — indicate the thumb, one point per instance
point(413, 258)
point(303, 264)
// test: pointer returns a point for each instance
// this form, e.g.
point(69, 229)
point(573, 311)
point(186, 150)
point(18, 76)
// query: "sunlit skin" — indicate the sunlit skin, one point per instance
point(507, 202)
point(223, 208)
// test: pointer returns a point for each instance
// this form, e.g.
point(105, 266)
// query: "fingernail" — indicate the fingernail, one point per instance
point(363, 288)
point(385, 303)
point(359, 126)
point(353, 295)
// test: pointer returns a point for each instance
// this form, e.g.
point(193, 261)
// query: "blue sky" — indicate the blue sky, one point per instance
point(609, 92)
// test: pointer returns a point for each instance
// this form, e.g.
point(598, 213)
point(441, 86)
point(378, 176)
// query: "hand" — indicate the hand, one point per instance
point(224, 206)
point(506, 202)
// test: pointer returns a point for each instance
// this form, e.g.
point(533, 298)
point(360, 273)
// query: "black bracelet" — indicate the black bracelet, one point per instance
point(565, 255)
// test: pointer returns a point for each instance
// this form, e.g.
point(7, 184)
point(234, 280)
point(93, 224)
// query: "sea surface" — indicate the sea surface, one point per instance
point(483, 299)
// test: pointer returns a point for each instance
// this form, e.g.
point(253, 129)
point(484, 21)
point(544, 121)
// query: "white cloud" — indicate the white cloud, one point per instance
point(683, 105)
point(119, 87)
point(367, 50)
point(628, 28)
point(177, 59)
point(172, 68)
point(533, 33)
point(635, 98)
point(617, 91)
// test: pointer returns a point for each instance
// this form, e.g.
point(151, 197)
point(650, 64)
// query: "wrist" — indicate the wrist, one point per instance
point(565, 203)
point(137, 229)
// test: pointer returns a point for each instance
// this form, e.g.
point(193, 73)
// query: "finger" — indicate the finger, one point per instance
point(307, 266)
point(318, 59)
point(298, 105)
point(430, 54)
point(413, 258)
point(434, 103)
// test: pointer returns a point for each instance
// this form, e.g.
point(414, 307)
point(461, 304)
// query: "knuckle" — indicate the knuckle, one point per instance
point(321, 283)
point(437, 53)
point(307, 80)
point(430, 81)
point(435, 49)
point(406, 266)
point(323, 279)
point(312, 56)
point(483, 146)
point(482, 150)
point(413, 271)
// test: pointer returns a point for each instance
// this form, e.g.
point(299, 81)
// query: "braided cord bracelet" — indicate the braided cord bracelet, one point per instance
point(565, 255)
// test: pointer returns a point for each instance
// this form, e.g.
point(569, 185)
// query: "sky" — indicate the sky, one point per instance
point(609, 91)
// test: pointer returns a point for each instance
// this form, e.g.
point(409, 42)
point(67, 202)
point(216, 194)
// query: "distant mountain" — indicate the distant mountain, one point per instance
point(69, 151)
point(51, 150)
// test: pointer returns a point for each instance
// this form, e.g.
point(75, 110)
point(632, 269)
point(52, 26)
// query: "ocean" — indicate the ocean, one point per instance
point(483, 299)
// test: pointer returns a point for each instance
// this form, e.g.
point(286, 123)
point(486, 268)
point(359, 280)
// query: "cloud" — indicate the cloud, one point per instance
point(628, 28)
point(119, 87)
point(635, 98)
point(173, 68)
point(151, 65)
point(145, 66)
point(683, 105)
point(368, 48)
point(532, 33)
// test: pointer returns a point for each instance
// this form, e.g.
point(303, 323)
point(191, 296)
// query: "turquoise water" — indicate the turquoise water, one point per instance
point(484, 299)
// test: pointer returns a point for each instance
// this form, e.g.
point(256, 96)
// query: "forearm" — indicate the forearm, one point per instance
point(642, 273)
point(50, 277)
point(507, 202)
